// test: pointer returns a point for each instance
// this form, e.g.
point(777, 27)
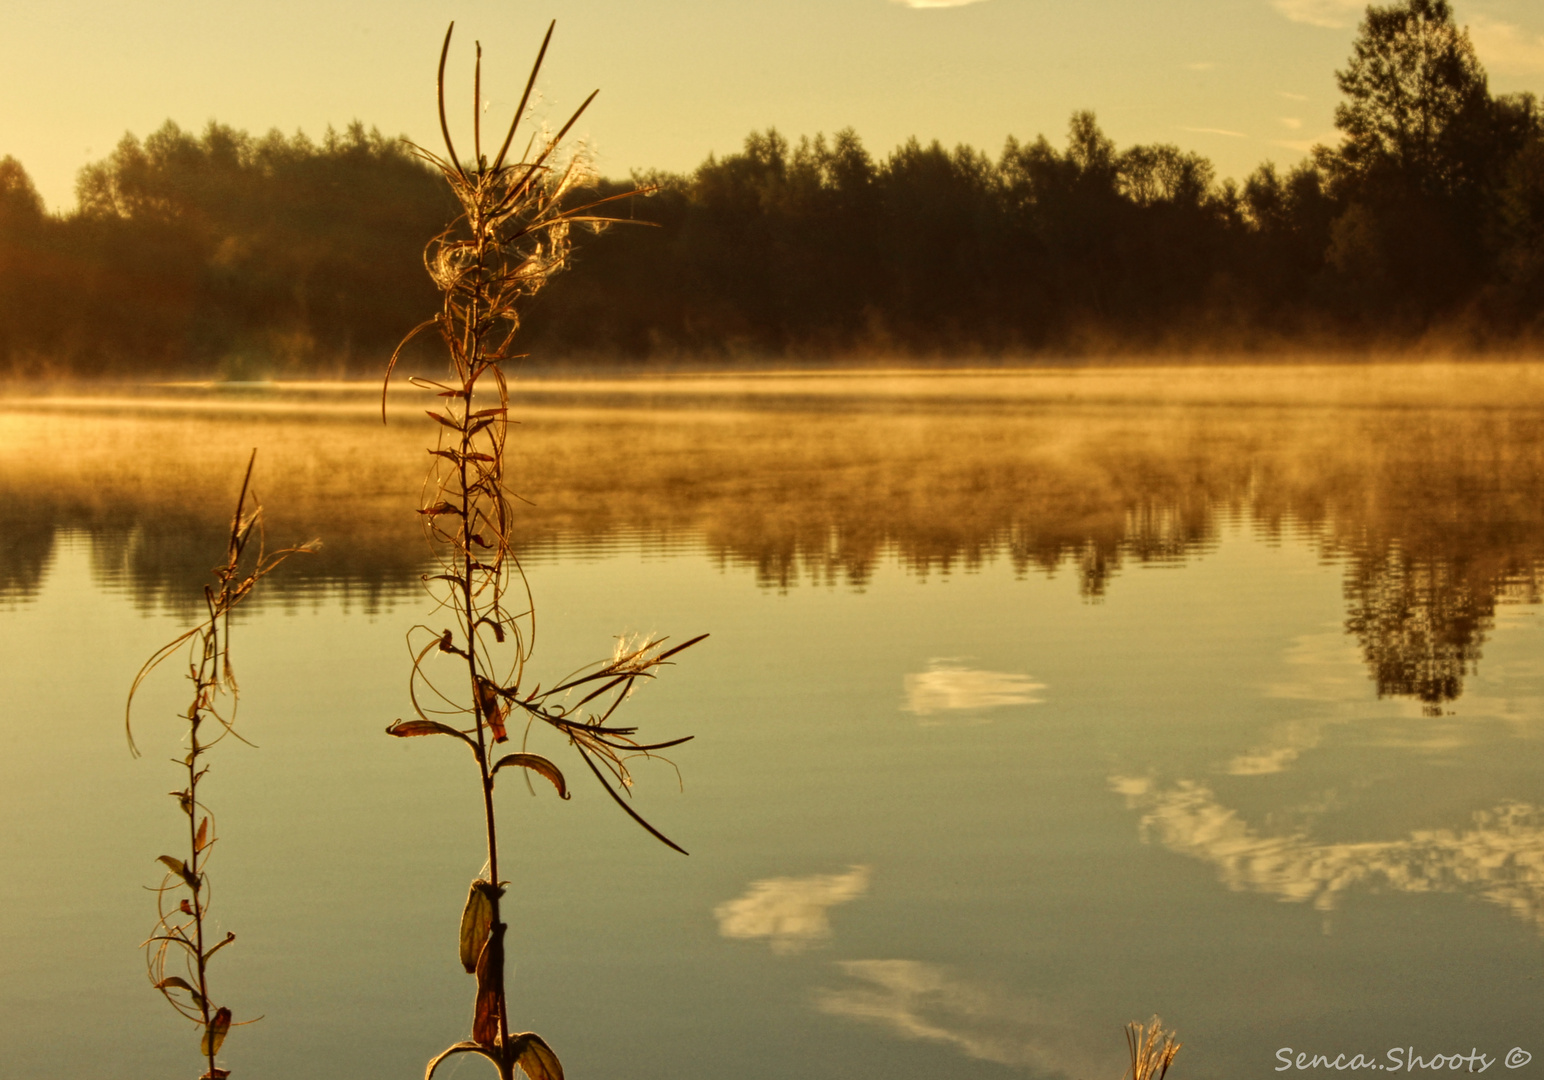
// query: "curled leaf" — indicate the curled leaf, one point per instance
point(534, 1056)
point(214, 1034)
point(476, 923)
point(465, 1047)
point(404, 729)
point(229, 937)
point(535, 763)
point(201, 841)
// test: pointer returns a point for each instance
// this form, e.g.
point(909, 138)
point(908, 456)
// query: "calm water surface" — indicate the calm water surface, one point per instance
point(1021, 718)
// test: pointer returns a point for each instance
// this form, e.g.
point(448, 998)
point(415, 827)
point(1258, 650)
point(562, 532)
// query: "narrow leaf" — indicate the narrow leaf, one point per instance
point(536, 764)
point(201, 841)
point(229, 937)
point(650, 829)
point(404, 729)
point(668, 653)
point(214, 1034)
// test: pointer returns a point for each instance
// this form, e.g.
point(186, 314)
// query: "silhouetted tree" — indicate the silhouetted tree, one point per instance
point(1426, 148)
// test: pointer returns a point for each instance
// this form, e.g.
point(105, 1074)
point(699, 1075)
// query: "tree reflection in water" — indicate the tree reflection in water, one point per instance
point(1434, 505)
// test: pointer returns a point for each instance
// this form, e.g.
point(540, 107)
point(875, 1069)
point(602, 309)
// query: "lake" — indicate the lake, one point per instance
point(1035, 703)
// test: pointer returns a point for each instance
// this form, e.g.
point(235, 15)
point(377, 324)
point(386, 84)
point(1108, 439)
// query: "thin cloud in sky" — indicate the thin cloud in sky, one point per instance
point(1216, 131)
point(935, 3)
point(1200, 65)
point(1292, 122)
point(1507, 47)
point(1329, 13)
point(1291, 96)
point(1304, 146)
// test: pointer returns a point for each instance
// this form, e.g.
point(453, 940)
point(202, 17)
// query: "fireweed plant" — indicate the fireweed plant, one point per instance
point(179, 950)
point(468, 681)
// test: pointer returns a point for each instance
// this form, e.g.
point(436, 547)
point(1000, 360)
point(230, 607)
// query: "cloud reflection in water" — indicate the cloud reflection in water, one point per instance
point(1501, 858)
point(917, 1000)
point(790, 912)
point(948, 686)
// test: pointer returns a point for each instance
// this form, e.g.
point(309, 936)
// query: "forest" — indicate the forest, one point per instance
point(238, 256)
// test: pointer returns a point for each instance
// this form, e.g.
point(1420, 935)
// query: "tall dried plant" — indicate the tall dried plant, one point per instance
point(468, 680)
point(180, 937)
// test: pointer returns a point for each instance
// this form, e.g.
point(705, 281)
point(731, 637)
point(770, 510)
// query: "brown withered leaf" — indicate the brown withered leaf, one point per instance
point(535, 1057)
point(493, 709)
point(185, 907)
point(215, 1074)
point(405, 729)
point(214, 1034)
point(535, 763)
point(476, 922)
point(485, 1017)
point(201, 841)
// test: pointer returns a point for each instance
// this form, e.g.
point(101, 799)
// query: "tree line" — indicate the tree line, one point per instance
point(244, 255)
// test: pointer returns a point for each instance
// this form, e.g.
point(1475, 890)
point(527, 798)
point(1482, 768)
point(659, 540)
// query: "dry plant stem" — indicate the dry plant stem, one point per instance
point(511, 236)
point(1152, 1050)
point(180, 931)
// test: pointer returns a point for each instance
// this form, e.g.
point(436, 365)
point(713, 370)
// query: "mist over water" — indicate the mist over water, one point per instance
point(1035, 702)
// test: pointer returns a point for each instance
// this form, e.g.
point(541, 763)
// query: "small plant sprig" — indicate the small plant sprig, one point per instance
point(180, 930)
point(1152, 1050)
point(511, 236)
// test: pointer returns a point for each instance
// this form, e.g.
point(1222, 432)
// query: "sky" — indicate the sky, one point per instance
point(1241, 81)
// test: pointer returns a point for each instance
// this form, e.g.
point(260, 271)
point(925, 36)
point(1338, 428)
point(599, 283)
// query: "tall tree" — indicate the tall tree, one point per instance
point(1413, 85)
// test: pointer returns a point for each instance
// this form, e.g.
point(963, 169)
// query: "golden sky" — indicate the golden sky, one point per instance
point(1241, 81)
